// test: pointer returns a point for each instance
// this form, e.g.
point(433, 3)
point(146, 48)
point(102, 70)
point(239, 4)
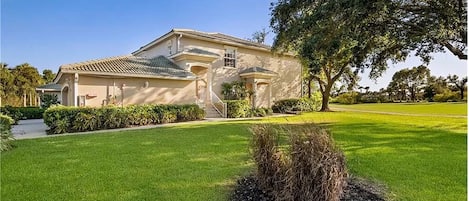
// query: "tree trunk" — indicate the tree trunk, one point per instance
point(462, 93)
point(325, 98)
point(309, 88)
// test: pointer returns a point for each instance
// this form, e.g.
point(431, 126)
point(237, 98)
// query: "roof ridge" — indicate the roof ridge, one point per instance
point(93, 61)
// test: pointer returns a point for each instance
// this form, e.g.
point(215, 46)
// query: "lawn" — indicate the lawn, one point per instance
point(417, 158)
point(457, 108)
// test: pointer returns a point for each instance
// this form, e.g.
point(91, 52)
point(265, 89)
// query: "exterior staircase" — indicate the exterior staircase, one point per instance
point(210, 112)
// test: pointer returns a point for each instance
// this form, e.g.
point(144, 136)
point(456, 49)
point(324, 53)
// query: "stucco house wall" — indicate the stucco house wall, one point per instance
point(286, 85)
point(98, 91)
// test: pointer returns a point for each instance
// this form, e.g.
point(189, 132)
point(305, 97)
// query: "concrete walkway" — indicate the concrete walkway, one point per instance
point(35, 128)
point(31, 128)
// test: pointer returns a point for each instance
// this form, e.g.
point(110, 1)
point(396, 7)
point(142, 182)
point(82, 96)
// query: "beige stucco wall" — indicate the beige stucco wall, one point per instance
point(286, 85)
point(127, 91)
point(161, 48)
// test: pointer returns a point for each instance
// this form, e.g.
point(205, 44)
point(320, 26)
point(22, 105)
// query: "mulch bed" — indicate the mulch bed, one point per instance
point(247, 189)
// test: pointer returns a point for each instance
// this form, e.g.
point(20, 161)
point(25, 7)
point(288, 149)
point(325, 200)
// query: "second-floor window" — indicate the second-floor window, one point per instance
point(230, 57)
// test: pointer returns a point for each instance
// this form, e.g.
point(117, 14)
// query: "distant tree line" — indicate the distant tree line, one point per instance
point(18, 84)
point(408, 85)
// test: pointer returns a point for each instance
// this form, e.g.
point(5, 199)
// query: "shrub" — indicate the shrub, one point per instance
point(238, 108)
point(347, 98)
point(5, 133)
point(62, 119)
point(261, 112)
point(141, 115)
point(297, 104)
point(447, 96)
point(314, 168)
point(31, 112)
point(11, 112)
point(48, 100)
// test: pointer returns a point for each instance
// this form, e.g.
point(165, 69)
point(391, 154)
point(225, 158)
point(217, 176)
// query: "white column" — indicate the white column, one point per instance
point(75, 90)
point(270, 94)
point(209, 84)
point(254, 89)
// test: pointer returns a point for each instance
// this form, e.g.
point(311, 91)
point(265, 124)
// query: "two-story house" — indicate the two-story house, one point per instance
point(182, 66)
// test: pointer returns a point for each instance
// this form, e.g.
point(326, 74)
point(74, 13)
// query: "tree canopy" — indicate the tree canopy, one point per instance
point(339, 36)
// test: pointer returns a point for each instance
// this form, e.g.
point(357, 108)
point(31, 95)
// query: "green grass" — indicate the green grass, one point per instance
point(411, 108)
point(417, 158)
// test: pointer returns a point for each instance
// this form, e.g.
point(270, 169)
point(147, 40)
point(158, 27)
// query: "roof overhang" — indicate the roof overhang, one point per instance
point(180, 32)
point(257, 75)
point(193, 56)
point(48, 90)
point(119, 75)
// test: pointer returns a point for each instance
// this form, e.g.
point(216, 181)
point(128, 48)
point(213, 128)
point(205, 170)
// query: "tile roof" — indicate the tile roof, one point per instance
point(51, 87)
point(129, 65)
point(222, 37)
point(257, 70)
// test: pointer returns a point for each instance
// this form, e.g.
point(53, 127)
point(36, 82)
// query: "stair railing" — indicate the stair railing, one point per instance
point(218, 104)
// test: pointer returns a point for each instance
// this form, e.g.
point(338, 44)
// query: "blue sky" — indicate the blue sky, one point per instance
point(49, 33)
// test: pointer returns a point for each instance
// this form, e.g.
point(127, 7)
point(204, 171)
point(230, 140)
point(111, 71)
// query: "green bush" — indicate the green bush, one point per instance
point(5, 133)
point(48, 100)
point(31, 112)
point(11, 112)
point(18, 113)
point(347, 98)
point(62, 119)
point(261, 112)
point(297, 104)
point(447, 96)
point(238, 108)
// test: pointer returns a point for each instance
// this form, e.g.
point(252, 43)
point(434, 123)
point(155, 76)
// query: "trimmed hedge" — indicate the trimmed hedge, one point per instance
point(31, 112)
point(242, 109)
point(296, 104)
point(5, 132)
point(238, 108)
point(61, 119)
point(19, 113)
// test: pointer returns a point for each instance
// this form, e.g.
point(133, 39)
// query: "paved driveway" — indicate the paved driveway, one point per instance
point(31, 128)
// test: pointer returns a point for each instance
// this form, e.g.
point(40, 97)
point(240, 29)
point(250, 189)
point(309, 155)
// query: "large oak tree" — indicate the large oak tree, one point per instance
point(336, 36)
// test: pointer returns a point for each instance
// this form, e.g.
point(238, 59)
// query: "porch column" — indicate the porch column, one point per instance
point(270, 94)
point(209, 85)
point(75, 90)
point(254, 89)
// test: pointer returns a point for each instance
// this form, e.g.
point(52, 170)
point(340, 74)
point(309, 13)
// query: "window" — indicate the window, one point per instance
point(230, 57)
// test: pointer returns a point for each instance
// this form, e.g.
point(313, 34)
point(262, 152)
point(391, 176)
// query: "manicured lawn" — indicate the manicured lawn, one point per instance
point(411, 108)
point(418, 158)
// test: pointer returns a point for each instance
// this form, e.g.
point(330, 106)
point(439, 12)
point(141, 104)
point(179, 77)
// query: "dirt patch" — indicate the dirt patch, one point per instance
point(247, 188)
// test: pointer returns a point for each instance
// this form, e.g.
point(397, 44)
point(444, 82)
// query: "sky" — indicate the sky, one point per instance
point(50, 33)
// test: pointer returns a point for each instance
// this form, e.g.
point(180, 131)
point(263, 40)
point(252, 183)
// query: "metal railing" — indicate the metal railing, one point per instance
point(218, 104)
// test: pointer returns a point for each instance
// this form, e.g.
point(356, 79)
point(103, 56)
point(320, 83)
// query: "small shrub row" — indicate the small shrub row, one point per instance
point(242, 109)
point(312, 169)
point(297, 104)
point(61, 119)
point(447, 96)
point(5, 132)
point(348, 98)
point(238, 108)
point(18, 113)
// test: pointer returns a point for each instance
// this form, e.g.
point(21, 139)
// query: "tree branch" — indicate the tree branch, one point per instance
point(457, 52)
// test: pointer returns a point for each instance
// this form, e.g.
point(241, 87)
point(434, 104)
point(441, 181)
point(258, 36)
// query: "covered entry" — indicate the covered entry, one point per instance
point(259, 80)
